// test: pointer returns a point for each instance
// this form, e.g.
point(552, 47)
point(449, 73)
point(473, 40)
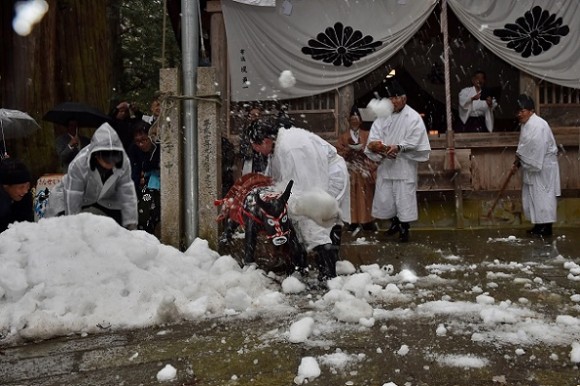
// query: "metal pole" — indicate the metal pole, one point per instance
point(190, 53)
point(450, 163)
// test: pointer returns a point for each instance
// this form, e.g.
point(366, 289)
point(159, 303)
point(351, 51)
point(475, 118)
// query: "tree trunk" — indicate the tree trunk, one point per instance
point(67, 57)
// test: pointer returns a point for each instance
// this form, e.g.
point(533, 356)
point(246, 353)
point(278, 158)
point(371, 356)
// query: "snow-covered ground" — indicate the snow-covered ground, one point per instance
point(83, 273)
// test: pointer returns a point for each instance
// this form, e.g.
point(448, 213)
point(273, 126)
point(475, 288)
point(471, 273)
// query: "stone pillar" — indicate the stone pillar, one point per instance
point(208, 154)
point(170, 137)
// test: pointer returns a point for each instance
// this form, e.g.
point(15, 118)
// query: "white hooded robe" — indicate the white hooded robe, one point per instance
point(82, 185)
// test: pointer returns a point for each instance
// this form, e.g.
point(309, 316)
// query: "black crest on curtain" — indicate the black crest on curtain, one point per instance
point(340, 45)
point(534, 33)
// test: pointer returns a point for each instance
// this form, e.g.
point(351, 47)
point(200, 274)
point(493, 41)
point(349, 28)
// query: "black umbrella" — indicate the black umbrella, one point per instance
point(85, 115)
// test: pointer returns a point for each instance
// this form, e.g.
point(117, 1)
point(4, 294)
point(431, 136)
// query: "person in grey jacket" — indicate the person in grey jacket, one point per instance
point(98, 181)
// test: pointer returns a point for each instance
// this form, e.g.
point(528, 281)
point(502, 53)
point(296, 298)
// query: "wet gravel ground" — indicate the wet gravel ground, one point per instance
point(232, 351)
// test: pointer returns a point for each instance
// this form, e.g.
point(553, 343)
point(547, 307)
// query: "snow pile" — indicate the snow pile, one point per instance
point(82, 273)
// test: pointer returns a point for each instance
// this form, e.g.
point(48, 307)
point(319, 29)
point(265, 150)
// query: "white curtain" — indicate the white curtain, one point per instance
point(325, 44)
point(539, 37)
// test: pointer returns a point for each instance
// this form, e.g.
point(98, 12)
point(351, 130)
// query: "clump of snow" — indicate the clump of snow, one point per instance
point(403, 350)
point(484, 299)
point(167, 373)
point(301, 330)
point(28, 13)
point(340, 361)
point(352, 310)
point(575, 353)
point(345, 267)
point(441, 330)
point(317, 205)
point(291, 285)
point(361, 241)
point(407, 276)
point(575, 298)
point(567, 320)
point(463, 361)
point(287, 79)
point(307, 371)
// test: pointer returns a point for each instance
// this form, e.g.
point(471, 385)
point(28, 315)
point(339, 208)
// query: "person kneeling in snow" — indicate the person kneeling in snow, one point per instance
point(98, 181)
point(315, 167)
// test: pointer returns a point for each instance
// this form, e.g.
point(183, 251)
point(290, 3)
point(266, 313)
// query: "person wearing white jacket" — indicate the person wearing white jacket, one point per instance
point(537, 157)
point(399, 142)
point(315, 167)
point(98, 180)
point(475, 107)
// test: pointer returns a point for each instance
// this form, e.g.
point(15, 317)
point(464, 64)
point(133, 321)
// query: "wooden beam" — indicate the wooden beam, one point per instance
point(213, 6)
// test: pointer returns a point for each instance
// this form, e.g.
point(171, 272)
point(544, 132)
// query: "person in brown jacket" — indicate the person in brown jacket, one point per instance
point(351, 145)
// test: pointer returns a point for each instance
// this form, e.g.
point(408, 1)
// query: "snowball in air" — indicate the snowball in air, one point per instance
point(287, 79)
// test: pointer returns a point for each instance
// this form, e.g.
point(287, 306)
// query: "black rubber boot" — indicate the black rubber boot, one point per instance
point(404, 235)
point(326, 258)
point(533, 230)
point(542, 230)
point(336, 235)
point(395, 227)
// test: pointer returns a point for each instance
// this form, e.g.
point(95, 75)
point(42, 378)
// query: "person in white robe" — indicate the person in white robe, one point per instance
point(537, 158)
point(399, 142)
point(475, 112)
point(315, 166)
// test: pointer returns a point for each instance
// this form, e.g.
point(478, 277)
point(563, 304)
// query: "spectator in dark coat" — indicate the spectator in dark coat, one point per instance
point(145, 172)
point(15, 195)
point(69, 144)
point(123, 119)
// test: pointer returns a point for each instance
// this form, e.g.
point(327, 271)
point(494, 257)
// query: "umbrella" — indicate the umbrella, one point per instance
point(16, 124)
point(85, 115)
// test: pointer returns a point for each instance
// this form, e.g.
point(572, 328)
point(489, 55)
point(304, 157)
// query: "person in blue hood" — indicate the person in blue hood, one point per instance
point(99, 181)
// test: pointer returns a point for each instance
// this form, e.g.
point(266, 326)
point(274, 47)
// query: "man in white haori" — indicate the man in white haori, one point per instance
point(315, 167)
point(399, 142)
point(475, 112)
point(537, 158)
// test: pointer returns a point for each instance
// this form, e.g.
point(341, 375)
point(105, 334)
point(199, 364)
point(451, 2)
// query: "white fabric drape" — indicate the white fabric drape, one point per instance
point(545, 32)
point(265, 41)
point(261, 3)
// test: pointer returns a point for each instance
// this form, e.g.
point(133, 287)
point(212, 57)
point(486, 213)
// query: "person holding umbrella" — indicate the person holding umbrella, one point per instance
point(98, 181)
point(69, 144)
point(15, 195)
point(537, 158)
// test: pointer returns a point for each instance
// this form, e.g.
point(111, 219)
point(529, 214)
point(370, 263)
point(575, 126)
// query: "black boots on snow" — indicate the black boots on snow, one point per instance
point(541, 230)
point(402, 228)
point(326, 258)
